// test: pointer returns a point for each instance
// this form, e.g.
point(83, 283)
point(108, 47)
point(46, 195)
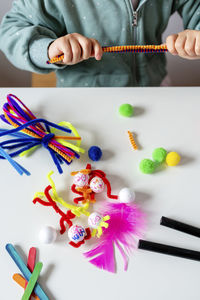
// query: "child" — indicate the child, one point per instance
point(36, 30)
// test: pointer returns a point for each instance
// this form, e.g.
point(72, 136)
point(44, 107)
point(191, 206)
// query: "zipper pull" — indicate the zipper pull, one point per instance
point(135, 18)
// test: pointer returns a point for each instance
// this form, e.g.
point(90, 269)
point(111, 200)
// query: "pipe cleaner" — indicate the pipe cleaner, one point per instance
point(132, 140)
point(77, 235)
point(125, 228)
point(30, 132)
point(97, 222)
point(122, 49)
point(65, 218)
point(76, 210)
point(88, 182)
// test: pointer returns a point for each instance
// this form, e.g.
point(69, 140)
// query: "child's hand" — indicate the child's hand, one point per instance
point(185, 44)
point(76, 48)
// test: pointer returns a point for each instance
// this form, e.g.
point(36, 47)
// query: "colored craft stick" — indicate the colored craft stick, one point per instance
point(133, 143)
point(22, 282)
point(180, 226)
point(25, 271)
point(32, 281)
point(122, 49)
point(31, 259)
point(169, 250)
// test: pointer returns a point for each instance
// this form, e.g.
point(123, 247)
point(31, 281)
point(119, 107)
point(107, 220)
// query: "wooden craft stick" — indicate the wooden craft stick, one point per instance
point(25, 271)
point(22, 282)
point(31, 259)
point(32, 281)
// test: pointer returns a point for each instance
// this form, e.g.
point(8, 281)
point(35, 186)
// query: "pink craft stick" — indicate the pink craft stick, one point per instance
point(31, 262)
point(31, 259)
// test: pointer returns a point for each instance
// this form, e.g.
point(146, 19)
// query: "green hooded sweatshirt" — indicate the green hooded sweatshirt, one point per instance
point(31, 25)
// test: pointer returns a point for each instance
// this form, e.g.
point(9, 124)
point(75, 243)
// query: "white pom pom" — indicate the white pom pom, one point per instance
point(48, 235)
point(126, 195)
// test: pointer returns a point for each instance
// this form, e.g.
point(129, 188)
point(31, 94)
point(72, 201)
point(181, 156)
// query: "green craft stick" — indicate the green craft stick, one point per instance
point(32, 282)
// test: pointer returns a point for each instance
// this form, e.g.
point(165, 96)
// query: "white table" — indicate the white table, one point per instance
point(167, 117)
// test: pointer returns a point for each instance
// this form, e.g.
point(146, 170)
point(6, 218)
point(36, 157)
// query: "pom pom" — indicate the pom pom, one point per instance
point(147, 166)
point(48, 235)
point(126, 110)
point(94, 220)
point(173, 159)
point(159, 155)
point(97, 185)
point(95, 153)
point(80, 179)
point(76, 234)
point(126, 195)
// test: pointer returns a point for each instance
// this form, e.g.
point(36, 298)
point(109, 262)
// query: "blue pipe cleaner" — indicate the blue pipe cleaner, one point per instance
point(22, 143)
point(17, 166)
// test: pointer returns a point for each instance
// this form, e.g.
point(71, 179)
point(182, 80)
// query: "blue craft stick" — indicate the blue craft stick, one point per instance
point(25, 271)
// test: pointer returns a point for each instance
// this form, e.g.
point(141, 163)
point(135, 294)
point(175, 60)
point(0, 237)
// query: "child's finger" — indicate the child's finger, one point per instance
point(170, 42)
point(86, 45)
point(67, 51)
point(180, 45)
point(197, 45)
point(76, 51)
point(97, 49)
point(190, 46)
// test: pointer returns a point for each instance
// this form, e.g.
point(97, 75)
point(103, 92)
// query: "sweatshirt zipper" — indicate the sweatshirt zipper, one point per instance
point(135, 18)
point(135, 24)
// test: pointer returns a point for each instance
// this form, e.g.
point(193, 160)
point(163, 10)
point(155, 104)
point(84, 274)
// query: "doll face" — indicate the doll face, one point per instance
point(97, 185)
point(76, 233)
point(81, 180)
point(94, 220)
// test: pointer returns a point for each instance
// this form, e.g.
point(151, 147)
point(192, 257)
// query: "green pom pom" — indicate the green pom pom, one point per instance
point(147, 166)
point(159, 155)
point(126, 110)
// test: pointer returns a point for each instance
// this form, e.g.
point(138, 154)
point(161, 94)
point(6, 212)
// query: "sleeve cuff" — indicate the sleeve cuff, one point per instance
point(38, 51)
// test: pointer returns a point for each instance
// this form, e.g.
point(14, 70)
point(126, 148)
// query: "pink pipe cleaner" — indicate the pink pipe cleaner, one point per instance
point(126, 227)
